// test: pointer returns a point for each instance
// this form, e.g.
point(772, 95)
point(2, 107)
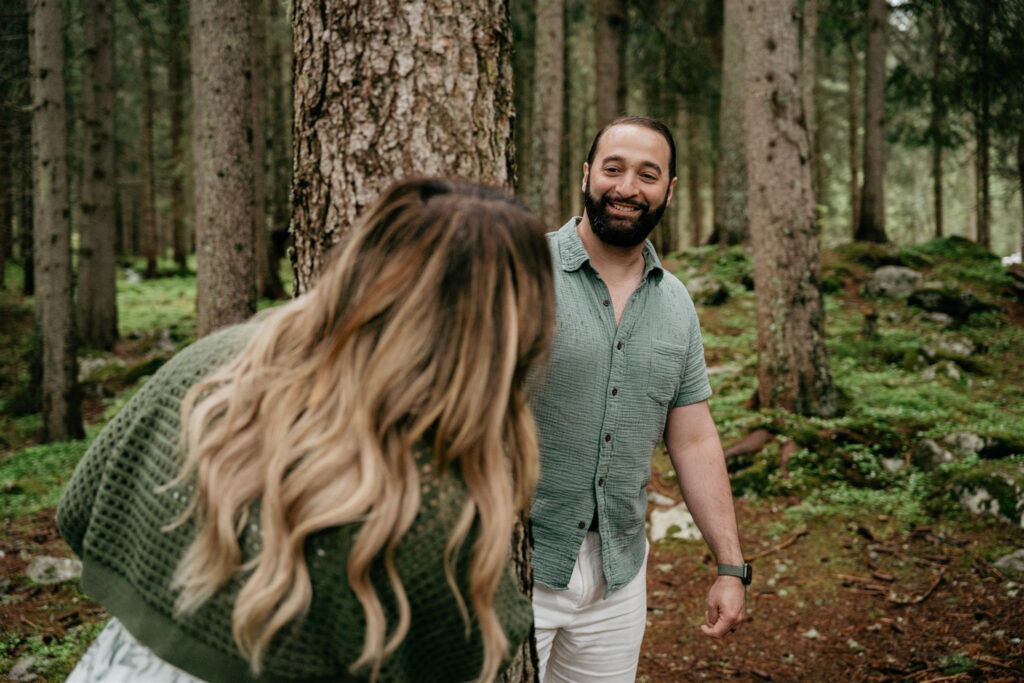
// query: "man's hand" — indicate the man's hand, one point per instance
point(725, 606)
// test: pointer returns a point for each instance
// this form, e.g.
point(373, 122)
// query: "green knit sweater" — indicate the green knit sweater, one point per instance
point(112, 517)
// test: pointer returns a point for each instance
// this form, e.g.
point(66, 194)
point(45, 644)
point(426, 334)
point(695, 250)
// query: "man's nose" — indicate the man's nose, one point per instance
point(628, 186)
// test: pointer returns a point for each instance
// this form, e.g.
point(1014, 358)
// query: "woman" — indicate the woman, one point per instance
point(330, 493)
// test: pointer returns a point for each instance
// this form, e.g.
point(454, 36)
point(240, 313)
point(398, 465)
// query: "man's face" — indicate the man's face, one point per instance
point(627, 190)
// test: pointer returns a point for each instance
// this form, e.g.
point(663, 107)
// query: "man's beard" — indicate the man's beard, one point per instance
point(604, 225)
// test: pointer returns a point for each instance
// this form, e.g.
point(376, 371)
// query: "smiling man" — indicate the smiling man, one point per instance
point(627, 369)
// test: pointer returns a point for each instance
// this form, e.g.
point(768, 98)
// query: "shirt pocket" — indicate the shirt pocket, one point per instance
point(665, 370)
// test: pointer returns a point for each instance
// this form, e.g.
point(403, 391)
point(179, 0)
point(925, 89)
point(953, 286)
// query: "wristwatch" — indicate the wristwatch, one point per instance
point(741, 571)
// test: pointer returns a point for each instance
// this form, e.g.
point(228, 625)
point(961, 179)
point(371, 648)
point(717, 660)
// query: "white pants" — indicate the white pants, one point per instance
point(116, 657)
point(583, 636)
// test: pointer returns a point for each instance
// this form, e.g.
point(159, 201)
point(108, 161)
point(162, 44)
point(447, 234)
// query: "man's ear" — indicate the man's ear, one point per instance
point(671, 190)
point(586, 175)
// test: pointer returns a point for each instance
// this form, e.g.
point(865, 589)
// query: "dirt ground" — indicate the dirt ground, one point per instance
point(847, 600)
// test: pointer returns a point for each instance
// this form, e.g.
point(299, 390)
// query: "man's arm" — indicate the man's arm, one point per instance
point(696, 452)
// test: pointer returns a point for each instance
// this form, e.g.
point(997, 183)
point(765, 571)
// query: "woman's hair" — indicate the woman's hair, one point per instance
point(423, 328)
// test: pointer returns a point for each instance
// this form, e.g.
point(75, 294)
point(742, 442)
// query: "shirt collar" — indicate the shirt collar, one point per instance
point(572, 254)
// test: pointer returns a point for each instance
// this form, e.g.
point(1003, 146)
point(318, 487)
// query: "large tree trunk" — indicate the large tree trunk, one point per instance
point(392, 90)
point(871, 227)
point(62, 417)
point(222, 153)
point(150, 237)
point(793, 369)
point(730, 207)
point(937, 123)
point(610, 24)
point(177, 28)
point(97, 300)
point(543, 182)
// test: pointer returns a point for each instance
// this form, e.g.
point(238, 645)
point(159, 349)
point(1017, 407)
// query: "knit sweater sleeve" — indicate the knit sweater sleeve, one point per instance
point(162, 393)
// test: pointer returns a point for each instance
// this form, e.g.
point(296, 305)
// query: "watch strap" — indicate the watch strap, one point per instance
point(743, 572)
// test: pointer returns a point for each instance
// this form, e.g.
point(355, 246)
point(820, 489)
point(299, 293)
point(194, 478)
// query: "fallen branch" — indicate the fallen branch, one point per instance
point(801, 531)
point(898, 600)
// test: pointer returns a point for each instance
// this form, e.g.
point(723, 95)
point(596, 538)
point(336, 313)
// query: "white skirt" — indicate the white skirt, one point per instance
point(116, 657)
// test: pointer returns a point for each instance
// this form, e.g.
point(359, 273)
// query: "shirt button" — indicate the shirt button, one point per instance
point(583, 525)
point(614, 391)
point(606, 302)
point(600, 482)
point(607, 437)
point(619, 346)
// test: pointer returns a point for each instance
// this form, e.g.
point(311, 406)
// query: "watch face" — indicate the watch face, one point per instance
point(748, 574)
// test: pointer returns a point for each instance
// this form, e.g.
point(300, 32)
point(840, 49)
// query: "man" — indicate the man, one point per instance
point(627, 369)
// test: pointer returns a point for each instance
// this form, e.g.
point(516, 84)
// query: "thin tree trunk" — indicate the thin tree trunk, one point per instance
point(258, 52)
point(730, 207)
point(937, 124)
point(62, 418)
point(97, 299)
point(693, 177)
point(524, 29)
point(150, 238)
point(853, 135)
point(6, 211)
point(27, 209)
point(1020, 181)
point(610, 25)
point(793, 369)
point(177, 28)
point(983, 122)
point(546, 136)
point(222, 153)
point(871, 227)
point(279, 149)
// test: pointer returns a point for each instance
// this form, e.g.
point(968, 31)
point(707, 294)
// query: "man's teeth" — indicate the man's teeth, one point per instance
point(625, 207)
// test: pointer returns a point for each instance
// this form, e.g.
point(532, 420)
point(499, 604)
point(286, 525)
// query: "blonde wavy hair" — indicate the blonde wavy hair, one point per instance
point(424, 326)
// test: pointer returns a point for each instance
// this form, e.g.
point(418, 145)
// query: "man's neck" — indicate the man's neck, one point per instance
point(614, 264)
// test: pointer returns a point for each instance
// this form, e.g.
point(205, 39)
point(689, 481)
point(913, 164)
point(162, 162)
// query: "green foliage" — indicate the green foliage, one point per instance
point(32, 479)
point(160, 303)
point(57, 655)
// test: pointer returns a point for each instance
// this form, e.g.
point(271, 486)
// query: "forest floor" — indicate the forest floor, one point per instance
point(859, 574)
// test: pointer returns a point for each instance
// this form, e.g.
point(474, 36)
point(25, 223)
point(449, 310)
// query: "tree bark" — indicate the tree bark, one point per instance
point(1020, 181)
point(386, 90)
point(983, 123)
point(730, 207)
point(853, 128)
point(809, 88)
point(793, 369)
point(523, 18)
point(177, 28)
point(695, 203)
point(871, 226)
point(97, 299)
point(546, 137)
point(62, 418)
point(610, 26)
point(223, 157)
point(258, 53)
point(150, 237)
point(279, 168)
point(937, 123)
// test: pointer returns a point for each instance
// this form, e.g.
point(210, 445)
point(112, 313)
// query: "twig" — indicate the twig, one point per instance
point(801, 531)
point(924, 596)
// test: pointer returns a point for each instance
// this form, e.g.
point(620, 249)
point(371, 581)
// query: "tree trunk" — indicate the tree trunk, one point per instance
point(150, 238)
point(546, 137)
point(809, 86)
point(730, 208)
point(223, 157)
point(26, 212)
point(852, 132)
point(392, 90)
point(177, 28)
point(6, 212)
point(937, 124)
point(610, 27)
point(258, 53)
point(983, 122)
point(62, 418)
point(793, 369)
point(97, 300)
point(871, 227)
point(279, 149)
point(1020, 181)
point(523, 17)
point(695, 203)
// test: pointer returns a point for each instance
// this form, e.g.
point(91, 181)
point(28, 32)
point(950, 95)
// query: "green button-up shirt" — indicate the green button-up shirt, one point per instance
point(601, 407)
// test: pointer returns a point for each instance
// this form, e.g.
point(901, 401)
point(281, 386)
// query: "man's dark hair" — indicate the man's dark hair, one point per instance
point(642, 122)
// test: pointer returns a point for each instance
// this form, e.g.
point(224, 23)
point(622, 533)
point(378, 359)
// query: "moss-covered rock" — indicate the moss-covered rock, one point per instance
point(993, 488)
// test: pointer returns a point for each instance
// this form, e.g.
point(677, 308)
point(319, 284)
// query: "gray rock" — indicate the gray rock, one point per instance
point(1012, 563)
point(996, 489)
point(24, 669)
point(707, 291)
point(928, 454)
point(893, 282)
point(965, 442)
point(946, 368)
point(894, 465)
point(958, 347)
point(45, 569)
point(940, 320)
